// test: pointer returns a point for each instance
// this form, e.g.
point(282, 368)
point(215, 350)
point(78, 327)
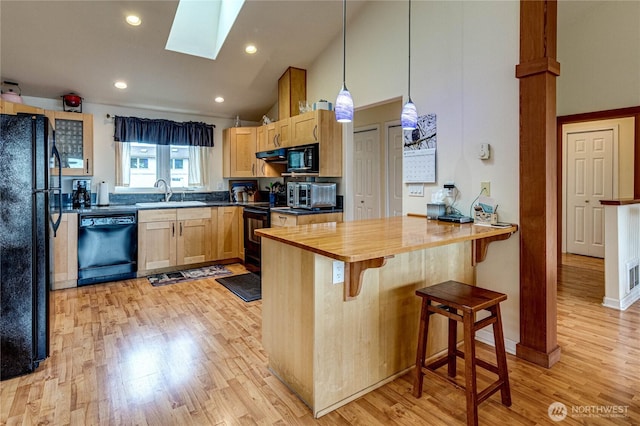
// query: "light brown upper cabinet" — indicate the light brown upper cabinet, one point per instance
point(292, 88)
point(283, 133)
point(239, 151)
point(12, 108)
point(267, 141)
point(274, 135)
point(320, 127)
point(74, 139)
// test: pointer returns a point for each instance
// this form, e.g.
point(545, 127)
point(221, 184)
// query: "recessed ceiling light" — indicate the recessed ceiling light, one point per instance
point(251, 49)
point(219, 99)
point(120, 84)
point(134, 20)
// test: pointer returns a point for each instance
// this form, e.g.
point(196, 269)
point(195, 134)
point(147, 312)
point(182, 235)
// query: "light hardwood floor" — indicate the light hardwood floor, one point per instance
point(190, 353)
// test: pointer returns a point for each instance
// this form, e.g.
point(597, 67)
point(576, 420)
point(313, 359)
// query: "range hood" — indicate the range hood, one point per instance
point(274, 156)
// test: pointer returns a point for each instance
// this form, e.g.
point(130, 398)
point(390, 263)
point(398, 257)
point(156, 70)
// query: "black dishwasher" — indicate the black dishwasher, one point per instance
point(107, 247)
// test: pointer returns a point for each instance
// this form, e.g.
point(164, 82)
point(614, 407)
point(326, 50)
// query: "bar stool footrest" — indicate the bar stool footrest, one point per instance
point(482, 396)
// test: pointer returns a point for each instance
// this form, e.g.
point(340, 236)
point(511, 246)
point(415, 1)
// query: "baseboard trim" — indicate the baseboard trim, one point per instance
point(486, 336)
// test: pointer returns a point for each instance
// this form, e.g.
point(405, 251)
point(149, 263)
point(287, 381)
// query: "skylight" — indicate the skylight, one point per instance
point(201, 27)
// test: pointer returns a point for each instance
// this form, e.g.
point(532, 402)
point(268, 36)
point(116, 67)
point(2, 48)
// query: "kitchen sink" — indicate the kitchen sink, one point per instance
point(172, 204)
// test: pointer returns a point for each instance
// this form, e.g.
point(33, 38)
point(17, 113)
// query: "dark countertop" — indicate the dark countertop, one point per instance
point(121, 208)
point(302, 212)
point(126, 208)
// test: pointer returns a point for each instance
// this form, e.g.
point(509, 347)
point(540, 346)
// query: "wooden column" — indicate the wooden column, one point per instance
point(537, 72)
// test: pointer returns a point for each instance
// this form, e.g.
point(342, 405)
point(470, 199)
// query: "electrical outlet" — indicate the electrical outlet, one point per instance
point(338, 272)
point(220, 186)
point(485, 188)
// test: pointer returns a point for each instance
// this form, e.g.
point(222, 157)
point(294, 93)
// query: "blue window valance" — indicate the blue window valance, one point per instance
point(162, 132)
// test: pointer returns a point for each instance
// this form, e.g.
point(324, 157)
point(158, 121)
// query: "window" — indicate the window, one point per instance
point(152, 149)
point(181, 166)
point(139, 163)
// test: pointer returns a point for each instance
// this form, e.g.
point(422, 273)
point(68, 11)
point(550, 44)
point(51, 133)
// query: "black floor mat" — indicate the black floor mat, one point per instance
point(246, 286)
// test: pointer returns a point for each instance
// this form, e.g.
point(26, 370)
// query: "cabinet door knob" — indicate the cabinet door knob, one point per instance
point(181, 229)
point(173, 229)
point(87, 166)
point(315, 132)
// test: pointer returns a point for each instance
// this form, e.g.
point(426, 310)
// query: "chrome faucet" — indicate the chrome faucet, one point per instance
point(167, 189)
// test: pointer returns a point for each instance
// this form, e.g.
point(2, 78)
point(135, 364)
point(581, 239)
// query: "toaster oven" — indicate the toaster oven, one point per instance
point(311, 195)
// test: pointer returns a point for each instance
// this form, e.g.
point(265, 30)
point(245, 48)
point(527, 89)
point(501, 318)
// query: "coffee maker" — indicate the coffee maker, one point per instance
point(81, 194)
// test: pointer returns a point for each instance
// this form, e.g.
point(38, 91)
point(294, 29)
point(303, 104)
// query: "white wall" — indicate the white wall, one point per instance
point(599, 55)
point(103, 144)
point(622, 250)
point(463, 65)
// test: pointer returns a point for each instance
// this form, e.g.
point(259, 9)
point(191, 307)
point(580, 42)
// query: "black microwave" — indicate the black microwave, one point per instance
point(303, 159)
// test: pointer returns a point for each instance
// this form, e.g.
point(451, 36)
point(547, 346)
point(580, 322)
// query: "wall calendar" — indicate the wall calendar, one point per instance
point(419, 152)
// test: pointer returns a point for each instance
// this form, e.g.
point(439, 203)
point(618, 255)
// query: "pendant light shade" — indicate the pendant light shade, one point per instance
point(344, 106)
point(409, 116)
point(344, 102)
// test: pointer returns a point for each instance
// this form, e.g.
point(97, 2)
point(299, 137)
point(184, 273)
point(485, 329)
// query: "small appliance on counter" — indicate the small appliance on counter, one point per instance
point(81, 193)
point(102, 196)
point(311, 195)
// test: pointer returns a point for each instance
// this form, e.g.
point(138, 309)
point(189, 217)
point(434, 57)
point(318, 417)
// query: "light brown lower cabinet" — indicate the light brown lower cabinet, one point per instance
point(65, 253)
point(175, 237)
point(279, 219)
point(172, 237)
point(229, 239)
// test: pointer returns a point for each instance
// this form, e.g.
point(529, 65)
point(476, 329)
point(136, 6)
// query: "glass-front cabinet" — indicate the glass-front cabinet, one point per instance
point(74, 140)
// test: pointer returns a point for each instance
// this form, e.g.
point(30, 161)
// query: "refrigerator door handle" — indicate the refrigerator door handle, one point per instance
point(56, 224)
point(57, 191)
point(56, 154)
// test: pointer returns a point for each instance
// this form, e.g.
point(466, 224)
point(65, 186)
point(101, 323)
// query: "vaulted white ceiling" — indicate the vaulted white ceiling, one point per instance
point(52, 48)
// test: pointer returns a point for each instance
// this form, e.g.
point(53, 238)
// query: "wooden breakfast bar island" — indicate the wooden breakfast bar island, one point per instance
point(332, 342)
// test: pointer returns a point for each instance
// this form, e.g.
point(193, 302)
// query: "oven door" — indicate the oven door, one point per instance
point(253, 219)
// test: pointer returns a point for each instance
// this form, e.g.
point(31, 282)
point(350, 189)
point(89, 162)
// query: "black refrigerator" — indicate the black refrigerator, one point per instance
point(30, 212)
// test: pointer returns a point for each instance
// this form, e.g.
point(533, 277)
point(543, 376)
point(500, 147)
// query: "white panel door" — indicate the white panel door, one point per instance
point(394, 171)
point(589, 180)
point(366, 159)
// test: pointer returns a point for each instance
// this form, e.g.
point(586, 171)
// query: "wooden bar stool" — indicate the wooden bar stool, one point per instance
point(460, 303)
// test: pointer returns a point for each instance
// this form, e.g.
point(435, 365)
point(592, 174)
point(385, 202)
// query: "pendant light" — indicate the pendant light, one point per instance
point(409, 116)
point(344, 102)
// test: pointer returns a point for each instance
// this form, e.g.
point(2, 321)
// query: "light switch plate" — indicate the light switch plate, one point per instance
point(416, 190)
point(484, 151)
